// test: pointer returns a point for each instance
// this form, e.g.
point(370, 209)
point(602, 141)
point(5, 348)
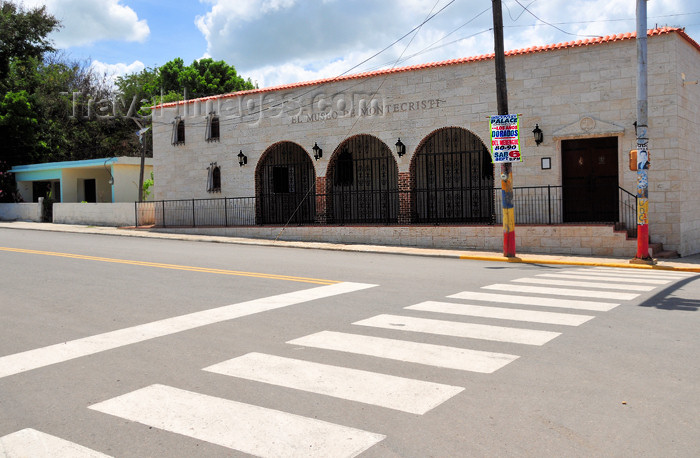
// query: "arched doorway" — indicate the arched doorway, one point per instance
point(285, 183)
point(362, 182)
point(452, 178)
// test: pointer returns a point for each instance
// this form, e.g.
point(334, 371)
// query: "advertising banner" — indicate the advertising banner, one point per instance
point(505, 138)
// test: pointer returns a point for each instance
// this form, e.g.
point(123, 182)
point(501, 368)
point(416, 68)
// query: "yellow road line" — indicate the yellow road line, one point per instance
point(317, 281)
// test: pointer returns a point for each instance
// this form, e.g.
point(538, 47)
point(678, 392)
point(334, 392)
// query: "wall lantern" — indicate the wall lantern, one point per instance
point(318, 152)
point(400, 148)
point(539, 137)
point(242, 159)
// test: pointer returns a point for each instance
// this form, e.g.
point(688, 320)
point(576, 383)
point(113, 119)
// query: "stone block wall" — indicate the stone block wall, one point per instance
point(574, 92)
point(597, 240)
point(684, 182)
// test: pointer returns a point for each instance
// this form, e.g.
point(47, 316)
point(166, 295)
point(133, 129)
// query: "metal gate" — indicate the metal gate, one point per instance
point(453, 179)
point(364, 186)
point(286, 186)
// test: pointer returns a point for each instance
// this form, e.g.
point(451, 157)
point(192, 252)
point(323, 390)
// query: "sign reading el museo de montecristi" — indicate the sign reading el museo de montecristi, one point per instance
point(505, 138)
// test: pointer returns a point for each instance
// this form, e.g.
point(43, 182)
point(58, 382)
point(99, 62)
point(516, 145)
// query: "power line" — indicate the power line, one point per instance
point(316, 87)
point(552, 25)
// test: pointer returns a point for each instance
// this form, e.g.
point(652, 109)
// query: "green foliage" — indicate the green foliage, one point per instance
point(55, 109)
point(169, 82)
point(23, 33)
point(8, 190)
point(147, 185)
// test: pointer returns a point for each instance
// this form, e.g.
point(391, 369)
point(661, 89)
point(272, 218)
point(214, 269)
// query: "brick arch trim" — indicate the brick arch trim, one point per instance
point(330, 169)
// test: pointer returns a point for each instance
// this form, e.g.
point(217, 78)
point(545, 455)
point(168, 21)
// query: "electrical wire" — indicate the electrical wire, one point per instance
point(316, 87)
point(417, 29)
point(552, 25)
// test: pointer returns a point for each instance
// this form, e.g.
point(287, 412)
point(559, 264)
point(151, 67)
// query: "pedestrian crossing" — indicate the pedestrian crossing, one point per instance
point(398, 393)
point(508, 308)
point(408, 351)
point(458, 329)
point(244, 427)
point(36, 444)
point(501, 313)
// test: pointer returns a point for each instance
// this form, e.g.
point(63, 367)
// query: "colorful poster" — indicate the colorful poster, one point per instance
point(505, 138)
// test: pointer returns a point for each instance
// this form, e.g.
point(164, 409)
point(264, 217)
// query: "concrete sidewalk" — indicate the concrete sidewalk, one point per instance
point(687, 264)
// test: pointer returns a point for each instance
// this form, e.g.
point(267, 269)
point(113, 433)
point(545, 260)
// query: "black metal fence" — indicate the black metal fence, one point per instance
point(224, 212)
point(533, 205)
point(628, 213)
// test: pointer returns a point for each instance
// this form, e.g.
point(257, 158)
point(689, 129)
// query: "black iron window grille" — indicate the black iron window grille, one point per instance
point(212, 132)
point(178, 135)
point(214, 178)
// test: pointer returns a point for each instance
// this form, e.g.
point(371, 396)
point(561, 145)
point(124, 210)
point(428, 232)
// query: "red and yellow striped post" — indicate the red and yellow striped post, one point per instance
point(508, 210)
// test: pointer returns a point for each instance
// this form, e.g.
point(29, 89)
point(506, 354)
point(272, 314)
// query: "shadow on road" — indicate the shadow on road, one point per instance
point(664, 300)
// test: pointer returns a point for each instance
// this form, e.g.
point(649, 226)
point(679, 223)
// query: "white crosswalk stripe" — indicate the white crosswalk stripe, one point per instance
point(40, 357)
point(398, 393)
point(534, 316)
point(631, 273)
point(31, 443)
point(584, 284)
point(243, 427)
point(654, 272)
point(537, 301)
point(600, 277)
point(560, 291)
point(457, 329)
point(414, 352)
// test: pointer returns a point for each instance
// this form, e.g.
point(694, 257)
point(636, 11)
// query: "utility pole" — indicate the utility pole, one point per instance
point(642, 137)
point(502, 102)
point(140, 134)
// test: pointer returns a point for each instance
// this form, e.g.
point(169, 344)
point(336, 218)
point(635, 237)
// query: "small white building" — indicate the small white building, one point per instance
point(106, 180)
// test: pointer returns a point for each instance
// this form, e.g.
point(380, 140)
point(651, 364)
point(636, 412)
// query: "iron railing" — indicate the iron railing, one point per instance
point(628, 213)
point(533, 205)
point(223, 212)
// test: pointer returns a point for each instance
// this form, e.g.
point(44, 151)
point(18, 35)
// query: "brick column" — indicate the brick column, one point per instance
point(404, 198)
point(321, 199)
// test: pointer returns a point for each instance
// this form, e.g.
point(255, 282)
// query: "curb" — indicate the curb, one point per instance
point(360, 248)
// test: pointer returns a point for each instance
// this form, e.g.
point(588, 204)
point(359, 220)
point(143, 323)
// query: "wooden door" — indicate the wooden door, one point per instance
point(590, 180)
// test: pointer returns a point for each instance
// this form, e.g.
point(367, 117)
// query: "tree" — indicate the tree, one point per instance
point(202, 78)
point(23, 33)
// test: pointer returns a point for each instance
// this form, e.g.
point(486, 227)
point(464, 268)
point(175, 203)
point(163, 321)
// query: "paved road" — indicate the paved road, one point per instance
point(139, 347)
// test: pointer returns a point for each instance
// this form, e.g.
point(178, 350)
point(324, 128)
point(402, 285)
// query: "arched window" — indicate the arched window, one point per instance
point(212, 131)
point(214, 178)
point(181, 131)
point(178, 137)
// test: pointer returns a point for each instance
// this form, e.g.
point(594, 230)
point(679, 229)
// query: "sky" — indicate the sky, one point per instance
point(276, 42)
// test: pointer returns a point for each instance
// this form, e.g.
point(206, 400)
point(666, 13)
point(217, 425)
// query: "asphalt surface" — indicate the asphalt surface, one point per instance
point(689, 263)
point(621, 384)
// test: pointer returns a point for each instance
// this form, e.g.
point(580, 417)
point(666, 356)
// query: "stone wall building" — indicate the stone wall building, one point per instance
point(401, 155)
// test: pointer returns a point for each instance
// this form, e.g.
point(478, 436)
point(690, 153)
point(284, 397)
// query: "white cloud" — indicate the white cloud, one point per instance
point(283, 41)
point(114, 70)
point(88, 21)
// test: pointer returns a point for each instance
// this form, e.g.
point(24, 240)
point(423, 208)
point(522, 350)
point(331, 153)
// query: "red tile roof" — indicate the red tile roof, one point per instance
point(463, 60)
